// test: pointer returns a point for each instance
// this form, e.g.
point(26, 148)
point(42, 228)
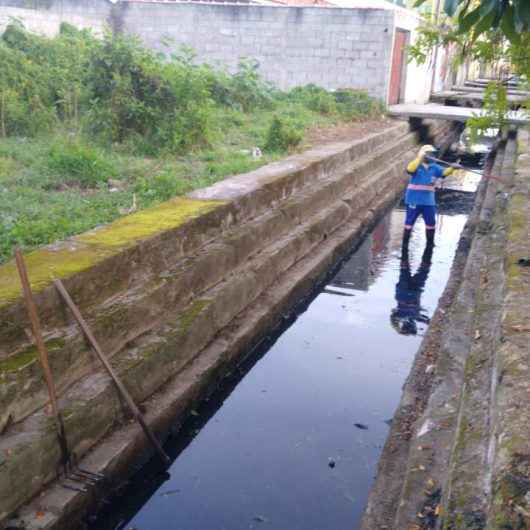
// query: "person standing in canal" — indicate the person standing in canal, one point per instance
point(420, 197)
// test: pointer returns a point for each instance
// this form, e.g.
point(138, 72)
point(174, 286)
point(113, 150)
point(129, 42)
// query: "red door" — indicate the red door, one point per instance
point(398, 63)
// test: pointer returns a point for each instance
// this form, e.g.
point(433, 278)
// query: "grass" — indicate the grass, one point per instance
point(52, 187)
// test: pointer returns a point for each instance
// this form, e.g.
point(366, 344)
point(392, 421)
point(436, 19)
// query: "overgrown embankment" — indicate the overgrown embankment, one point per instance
point(92, 129)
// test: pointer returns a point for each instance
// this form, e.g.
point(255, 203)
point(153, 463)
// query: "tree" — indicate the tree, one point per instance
point(511, 17)
point(491, 32)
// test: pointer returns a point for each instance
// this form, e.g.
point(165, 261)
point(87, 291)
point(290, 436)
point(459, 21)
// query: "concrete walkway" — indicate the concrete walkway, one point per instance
point(475, 98)
point(441, 112)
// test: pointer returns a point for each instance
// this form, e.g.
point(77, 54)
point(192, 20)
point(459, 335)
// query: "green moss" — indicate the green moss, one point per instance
point(128, 230)
point(28, 356)
point(16, 362)
point(88, 249)
point(189, 316)
point(517, 216)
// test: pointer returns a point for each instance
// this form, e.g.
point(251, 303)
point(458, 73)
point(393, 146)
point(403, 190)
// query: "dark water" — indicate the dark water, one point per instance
point(295, 443)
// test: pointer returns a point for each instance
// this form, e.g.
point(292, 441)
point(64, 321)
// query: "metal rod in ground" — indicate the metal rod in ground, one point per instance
point(102, 357)
point(43, 355)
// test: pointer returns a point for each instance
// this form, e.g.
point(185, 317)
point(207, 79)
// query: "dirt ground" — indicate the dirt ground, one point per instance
point(345, 131)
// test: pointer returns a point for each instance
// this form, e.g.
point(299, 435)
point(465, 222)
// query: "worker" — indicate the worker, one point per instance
point(419, 197)
point(409, 288)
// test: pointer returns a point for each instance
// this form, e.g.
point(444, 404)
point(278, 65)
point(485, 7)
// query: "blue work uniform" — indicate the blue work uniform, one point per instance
point(419, 196)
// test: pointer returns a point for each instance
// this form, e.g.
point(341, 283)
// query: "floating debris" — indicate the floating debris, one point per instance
point(361, 426)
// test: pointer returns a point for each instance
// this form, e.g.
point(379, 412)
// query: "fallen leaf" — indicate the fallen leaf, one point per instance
point(39, 514)
point(438, 510)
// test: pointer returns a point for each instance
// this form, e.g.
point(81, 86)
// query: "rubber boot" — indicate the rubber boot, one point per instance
point(430, 237)
point(405, 244)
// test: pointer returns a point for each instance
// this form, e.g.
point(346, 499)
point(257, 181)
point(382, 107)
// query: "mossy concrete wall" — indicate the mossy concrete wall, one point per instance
point(160, 287)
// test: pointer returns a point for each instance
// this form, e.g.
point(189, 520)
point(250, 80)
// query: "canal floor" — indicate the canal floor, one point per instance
point(293, 443)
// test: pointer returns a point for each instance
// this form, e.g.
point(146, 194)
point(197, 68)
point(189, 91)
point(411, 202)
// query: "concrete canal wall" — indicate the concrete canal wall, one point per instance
point(174, 294)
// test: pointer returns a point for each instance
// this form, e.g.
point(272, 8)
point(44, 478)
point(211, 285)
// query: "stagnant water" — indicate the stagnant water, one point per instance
point(292, 442)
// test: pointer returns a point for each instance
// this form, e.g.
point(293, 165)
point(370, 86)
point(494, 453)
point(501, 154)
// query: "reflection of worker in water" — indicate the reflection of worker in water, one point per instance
point(409, 288)
point(419, 198)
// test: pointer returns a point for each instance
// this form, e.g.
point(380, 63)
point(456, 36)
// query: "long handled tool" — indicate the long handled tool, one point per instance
point(43, 357)
point(70, 469)
point(99, 352)
point(459, 166)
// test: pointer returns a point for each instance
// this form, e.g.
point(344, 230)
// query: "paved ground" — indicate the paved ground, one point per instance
point(441, 112)
point(474, 98)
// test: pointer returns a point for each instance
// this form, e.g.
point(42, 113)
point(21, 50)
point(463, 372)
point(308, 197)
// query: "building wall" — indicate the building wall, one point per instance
point(331, 47)
point(45, 16)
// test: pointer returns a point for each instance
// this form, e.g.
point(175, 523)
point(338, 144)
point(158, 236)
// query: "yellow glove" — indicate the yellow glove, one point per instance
point(414, 165)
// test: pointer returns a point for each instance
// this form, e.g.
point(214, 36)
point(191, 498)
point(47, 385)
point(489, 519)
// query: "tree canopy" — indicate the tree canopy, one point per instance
point(511, 17)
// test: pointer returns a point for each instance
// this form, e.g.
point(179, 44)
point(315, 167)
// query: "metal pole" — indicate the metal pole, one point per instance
point(43, 354)
point(458, 166)
point(102, 357)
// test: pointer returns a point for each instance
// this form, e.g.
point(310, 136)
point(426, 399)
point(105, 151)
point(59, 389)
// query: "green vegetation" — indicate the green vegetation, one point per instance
point(510, 17)
point(92, 129)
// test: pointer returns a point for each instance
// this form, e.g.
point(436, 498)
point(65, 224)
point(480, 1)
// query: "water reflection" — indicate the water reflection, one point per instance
point(409, 288)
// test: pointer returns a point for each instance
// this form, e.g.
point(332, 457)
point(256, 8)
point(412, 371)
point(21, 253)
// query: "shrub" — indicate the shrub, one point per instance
point(315, 98)
point(162, 186)
point(283, 134)
point(136, 92)
point(356, 103)
point(73, 162)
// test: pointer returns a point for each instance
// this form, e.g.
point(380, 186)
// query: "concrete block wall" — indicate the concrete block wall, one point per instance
point(331, 47)
point(45, 16)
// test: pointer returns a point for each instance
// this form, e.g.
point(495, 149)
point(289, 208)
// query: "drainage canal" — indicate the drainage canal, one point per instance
point(292, 440)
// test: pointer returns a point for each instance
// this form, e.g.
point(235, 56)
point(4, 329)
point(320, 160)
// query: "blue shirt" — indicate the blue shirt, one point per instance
point(420, 190)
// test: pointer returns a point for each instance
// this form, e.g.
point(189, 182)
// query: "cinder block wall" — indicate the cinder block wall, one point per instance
point(331, 47)
point(45, 16)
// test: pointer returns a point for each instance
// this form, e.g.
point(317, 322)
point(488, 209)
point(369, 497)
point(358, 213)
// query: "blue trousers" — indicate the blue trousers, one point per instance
point(427, 212)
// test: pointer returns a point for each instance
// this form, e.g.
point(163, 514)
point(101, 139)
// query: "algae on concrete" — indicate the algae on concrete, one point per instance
point(84, 251)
